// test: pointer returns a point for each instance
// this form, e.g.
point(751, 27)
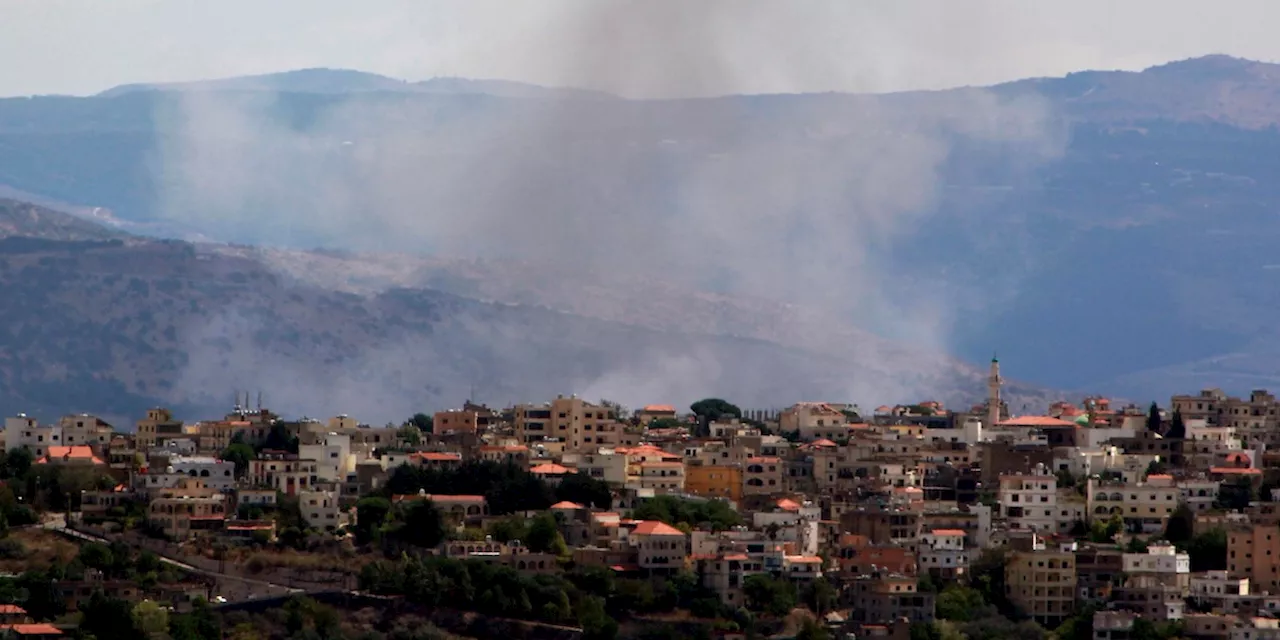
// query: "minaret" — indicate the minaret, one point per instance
point(993, 394)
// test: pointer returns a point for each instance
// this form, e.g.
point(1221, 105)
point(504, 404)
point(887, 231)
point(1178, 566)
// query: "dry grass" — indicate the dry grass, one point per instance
point(43, 548)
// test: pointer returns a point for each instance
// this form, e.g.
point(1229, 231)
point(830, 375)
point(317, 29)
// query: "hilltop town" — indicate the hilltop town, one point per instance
point(573, 518)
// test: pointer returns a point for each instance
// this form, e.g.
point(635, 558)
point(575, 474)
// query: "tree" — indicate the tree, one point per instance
point(596, 623)
point(544, 536)
point(108, 618)
point(424, 423)
point(710, 410)
point(17, 463)
point(409, 434)
point(616, 410)
point(820, 596)
point(1177, 428)
point(1235, 494)
point(1181, 525)
point(583, 489)
point(958, 603)
point(371, 514)
point(422, 525)
point(96, 555)
point(509, 528)
point(1154, 422)
point(241, 454)
point(150, 619)
point(771, 595)
point(1136, 545)
point(1208, 550)
point(280, 439)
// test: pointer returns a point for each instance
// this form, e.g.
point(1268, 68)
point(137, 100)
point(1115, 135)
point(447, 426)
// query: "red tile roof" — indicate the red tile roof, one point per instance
point(1235, 471)
point(659, 408)
point(786, 504)
point(1035, 421)
point(656, 528)
point(948, 532)
point(37, 629)
point(551, 469)
point(11, 610)
point(566, 505)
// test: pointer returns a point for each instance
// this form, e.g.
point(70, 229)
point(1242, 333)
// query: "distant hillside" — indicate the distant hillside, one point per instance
point(21, 219)
point(113, 327)
point(342, 81)
point(1122, 246)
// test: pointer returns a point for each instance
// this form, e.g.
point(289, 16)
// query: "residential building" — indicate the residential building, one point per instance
point(321, 509)
point(662, 548)
point(158, 426)
point(1253, 552)
point(569, 420)
point(1042, 582)
point(714, 481)
point(186, 510)
point(942, 553)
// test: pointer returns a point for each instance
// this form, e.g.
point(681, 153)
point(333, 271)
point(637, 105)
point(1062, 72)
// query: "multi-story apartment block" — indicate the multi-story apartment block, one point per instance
point(158, 426)
point(762, 476)
point(24, 432)
point(1030, 501)
point(661, 547)
point(84, 429)
point(1042, 582)
point(283, 472)
point(1144, 506)
point(471, 418)
point(1163, 564)
point(815, 421)
point(571, 420)
point(187, 509)
point(1253, 552)
point(332, 455)
point(942, 553)
point(321, 509)
point(714, 481)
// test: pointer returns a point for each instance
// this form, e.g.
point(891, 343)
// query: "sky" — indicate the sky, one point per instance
point(85, 46)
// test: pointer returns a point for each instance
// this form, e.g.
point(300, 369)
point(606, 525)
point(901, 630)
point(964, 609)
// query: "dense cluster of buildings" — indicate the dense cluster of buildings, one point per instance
point(871, 501)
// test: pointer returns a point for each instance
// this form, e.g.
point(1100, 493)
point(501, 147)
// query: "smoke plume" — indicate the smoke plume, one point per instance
point(797, 199)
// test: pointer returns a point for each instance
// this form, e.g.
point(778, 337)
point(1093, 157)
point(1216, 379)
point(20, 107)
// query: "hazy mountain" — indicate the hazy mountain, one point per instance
point(103, 322)
point(341, 81)
point(1105, 231)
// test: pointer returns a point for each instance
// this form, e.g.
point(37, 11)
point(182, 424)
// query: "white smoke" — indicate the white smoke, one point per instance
point(790, 198)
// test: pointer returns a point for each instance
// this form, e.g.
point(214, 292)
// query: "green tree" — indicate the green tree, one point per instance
point(1177, 427)
point(596, 623)
point(423, 422)
point(410, 434)
point(709, 410)
point(1181, 525)
point(108, 618)
point(1154, 421)
point(1208, 550)
point(240, 454)
point(771, 595)
point(17, 463)
point(1136, 545)
point(421, 524)
point(371, 514)
point(96, 555)
point(544, 536)
point(583, 489)
point(150, 619)
point(959, 603)
point(820, 596)
point(509, 528)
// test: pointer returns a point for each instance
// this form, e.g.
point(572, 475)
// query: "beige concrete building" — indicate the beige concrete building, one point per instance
point(1253, 552)
point(1042, 583)
point(158, 426)
point(185, 510)
point(571, 420)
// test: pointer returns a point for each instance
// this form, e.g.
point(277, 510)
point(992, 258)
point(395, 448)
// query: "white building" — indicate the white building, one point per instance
point(1030, 501)
point(212, 472)
point(320, 509)
point(332, 454)
point(22, 431)
point(942, 553)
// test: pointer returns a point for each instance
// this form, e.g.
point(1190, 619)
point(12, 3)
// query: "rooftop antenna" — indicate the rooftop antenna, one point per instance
point(259, 400)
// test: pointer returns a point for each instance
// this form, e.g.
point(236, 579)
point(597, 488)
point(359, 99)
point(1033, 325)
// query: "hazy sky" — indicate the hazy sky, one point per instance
point(84, 46)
